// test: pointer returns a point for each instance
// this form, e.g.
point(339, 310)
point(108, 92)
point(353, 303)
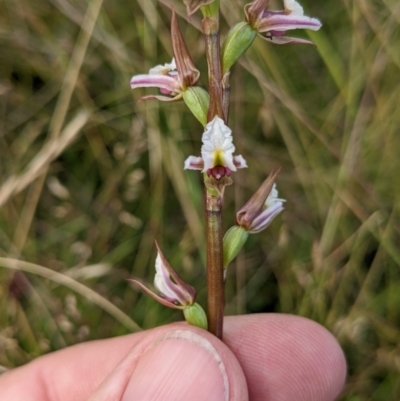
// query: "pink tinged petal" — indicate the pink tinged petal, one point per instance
point(159, 299)
point(164, 82)
point(239, 161)
point(283, 22)
point(194, 163)
point(184, 293)
point(265, 217)
point(272, 207)
point(162, 281)
point(257, 203)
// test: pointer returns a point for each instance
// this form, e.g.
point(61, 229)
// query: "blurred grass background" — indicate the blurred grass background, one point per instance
point(89, 178)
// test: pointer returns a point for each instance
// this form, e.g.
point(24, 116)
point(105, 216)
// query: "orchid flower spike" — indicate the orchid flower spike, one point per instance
point(174, 292)
point(171, 78)
point(217, 158)
point(272, 25)
point(262, 207)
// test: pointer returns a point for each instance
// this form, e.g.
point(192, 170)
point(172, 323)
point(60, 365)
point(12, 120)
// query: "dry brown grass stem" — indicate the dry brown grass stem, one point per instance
point(74, 285)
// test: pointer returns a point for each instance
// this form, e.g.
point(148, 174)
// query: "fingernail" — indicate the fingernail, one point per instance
point(181, 365)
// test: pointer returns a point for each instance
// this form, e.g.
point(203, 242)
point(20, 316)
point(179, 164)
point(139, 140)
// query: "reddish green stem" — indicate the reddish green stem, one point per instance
point(213, 201)
point(213, 53)
point(215, 275)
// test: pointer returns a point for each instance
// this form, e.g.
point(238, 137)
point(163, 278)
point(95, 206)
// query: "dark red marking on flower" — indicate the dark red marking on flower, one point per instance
point(219, 172)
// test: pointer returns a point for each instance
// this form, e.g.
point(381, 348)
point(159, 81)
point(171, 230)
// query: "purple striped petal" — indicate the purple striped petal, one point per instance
point(239, 161)
point(283, 22)
point(194, 163)
point(265, 217)
point(159, 299)
point(166, 82)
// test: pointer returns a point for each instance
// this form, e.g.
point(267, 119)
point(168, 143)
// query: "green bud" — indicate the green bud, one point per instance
point(236, 43)
point(234, 240)
point(195, 315)
point(198, 100)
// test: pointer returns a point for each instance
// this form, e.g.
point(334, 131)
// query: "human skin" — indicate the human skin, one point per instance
point(268, 357)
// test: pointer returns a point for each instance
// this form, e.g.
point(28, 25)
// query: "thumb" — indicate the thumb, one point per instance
point(178, 364)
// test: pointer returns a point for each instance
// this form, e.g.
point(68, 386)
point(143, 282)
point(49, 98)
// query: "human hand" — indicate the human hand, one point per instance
point(272, 357)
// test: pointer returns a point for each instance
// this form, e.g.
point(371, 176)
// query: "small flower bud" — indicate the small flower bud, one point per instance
point(237, 41)
point(195, 315)
point(234, 240)
point(198, 101)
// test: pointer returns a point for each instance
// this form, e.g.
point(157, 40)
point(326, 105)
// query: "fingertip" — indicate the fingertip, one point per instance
point(178, 362)
point(178, 365)
point(287, 357)
point(326, 361)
